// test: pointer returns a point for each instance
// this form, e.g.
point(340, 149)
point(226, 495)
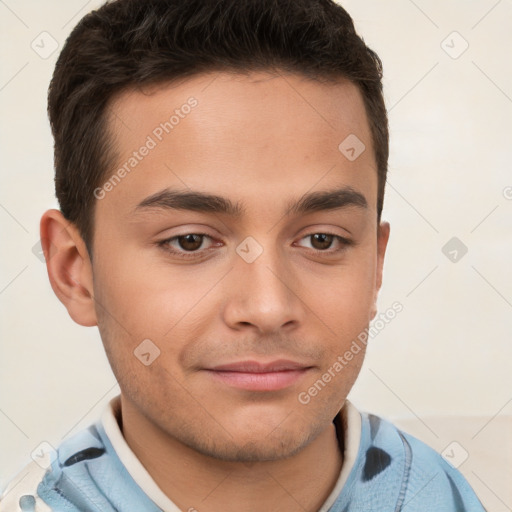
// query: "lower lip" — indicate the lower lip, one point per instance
point(270, 381)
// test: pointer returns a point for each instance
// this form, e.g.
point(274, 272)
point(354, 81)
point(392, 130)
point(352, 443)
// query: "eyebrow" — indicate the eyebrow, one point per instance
point(196, 201)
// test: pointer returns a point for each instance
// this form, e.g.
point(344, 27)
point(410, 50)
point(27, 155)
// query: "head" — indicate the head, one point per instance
point(220, 168)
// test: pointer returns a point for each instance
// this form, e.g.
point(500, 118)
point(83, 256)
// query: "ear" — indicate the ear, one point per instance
point(69, 267)
point(382, 242)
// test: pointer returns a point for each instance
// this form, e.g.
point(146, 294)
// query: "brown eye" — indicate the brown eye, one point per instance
point(188, 245)
point(321, 241)
point(327, 243)
point(190, 242)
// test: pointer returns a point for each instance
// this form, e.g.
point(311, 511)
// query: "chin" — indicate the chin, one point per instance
point(252, 448)
point(254, 451)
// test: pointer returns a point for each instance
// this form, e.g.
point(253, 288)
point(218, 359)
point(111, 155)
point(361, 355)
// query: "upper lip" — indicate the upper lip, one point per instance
point(257, 367)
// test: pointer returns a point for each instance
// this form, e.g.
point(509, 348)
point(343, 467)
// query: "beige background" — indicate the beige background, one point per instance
point(448, 353)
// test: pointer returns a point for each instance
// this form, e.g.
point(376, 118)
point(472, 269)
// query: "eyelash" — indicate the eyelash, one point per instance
point(164, 244)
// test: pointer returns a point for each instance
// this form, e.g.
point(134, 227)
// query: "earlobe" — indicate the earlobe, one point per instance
point(382, 243)
point(69, 267)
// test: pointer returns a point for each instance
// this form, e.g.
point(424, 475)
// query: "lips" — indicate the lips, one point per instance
point(259, 376)
point(257, 367)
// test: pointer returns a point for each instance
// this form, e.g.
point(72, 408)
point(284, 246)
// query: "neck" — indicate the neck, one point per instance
point(197, 482)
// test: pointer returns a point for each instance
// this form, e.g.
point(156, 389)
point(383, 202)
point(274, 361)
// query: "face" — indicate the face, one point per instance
point(217, 248)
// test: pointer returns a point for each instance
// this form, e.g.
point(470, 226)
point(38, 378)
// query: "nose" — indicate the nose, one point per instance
point(263, 294)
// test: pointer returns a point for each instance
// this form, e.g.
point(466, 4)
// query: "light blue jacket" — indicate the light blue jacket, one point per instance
point(393, 472)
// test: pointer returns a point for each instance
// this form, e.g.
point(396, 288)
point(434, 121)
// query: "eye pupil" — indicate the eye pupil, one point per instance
point(191, 242)
point(324, 239)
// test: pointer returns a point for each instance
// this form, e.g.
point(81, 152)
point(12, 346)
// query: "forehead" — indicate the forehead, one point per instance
point(259, 97)
point(251, 135)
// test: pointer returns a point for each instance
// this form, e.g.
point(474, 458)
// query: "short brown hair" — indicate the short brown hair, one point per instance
point(129, 43)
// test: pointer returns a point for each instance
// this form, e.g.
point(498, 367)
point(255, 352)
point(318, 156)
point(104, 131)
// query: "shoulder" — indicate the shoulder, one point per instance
point(396, 471)
point(84, 473)
point(40, 486)
point(21, 492)
point(432, 478)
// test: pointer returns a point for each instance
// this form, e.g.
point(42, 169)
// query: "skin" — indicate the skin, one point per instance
point(262, 140)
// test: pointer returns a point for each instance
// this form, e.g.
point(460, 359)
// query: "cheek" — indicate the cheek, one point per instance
point(345, 300)
point(143, 301)
point(142, 298)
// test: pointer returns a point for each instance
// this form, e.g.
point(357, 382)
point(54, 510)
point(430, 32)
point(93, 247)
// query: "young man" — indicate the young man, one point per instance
point(220, 167)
